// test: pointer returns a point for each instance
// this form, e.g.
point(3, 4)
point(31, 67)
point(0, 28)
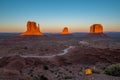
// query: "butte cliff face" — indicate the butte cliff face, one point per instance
point(96, 28)
point(96, 32)
point(32, 29)
point(65, 31)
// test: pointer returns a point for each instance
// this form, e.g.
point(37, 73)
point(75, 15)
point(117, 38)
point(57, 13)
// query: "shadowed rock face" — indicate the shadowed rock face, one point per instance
point(65, 31)
point(96, 28)
point(32, 29)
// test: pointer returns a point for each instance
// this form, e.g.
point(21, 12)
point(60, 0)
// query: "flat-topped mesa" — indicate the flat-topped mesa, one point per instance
point(65, 31)
point(96, 28)
point(32, 29)
point(96, 32)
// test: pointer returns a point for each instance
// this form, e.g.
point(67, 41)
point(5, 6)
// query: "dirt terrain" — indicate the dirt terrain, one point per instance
point(17, 61)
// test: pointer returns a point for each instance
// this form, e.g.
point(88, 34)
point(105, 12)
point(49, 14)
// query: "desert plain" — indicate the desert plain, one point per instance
point(58, 57)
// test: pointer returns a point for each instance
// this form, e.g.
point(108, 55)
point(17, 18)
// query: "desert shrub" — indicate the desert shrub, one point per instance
point(51, 71)
point(45, 67)
point(58, 76)
point(96, 70)
point(82, 72)
point(68, 77)
point(70, 71)
point(31, 71)
point(40, 77)
point(113, 70)
point(66, 69)
point(21, 72)
point(25, 47)
point(35, 78)
point(60, 72)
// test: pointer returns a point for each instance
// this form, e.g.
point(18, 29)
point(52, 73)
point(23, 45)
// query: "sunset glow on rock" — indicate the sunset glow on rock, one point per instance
point(65, 31)
point(96, 28)
point(32, 29)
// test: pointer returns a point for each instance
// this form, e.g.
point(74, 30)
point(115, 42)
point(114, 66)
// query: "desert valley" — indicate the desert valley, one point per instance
point(33, 55)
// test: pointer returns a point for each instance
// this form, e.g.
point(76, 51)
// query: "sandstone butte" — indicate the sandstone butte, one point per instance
point(32, 29)
point(96, 28)
point(65, 31)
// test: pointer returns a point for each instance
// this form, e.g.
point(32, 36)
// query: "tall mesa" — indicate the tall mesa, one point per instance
point(65, 31)
point(96, 28)
point(32, 29)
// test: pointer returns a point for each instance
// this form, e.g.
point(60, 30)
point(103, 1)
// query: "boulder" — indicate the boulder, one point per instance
point(96, 28)
point(32, 29)
point(65, 31)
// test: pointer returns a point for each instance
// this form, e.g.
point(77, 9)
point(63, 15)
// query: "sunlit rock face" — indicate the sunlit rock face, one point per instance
point(96, 28)
point(32, 29)
point(65, 31)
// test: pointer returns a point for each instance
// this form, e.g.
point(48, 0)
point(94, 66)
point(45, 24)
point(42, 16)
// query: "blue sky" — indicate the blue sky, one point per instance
point(53, 15)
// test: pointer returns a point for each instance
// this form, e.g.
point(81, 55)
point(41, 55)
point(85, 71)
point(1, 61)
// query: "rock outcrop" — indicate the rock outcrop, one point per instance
point(32, 29)
point(65, 31)
point(96, 28)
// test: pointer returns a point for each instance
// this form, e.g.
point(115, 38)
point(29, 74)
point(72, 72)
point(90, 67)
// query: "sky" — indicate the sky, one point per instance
point(54, 15)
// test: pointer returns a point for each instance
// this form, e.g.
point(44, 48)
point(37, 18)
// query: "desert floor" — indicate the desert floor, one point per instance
point(57, 57)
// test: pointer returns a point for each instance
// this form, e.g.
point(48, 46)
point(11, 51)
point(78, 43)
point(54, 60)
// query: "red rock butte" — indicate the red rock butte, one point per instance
point(96, 28)
point(96, 32)
point(65, 31)
point(32, 29)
